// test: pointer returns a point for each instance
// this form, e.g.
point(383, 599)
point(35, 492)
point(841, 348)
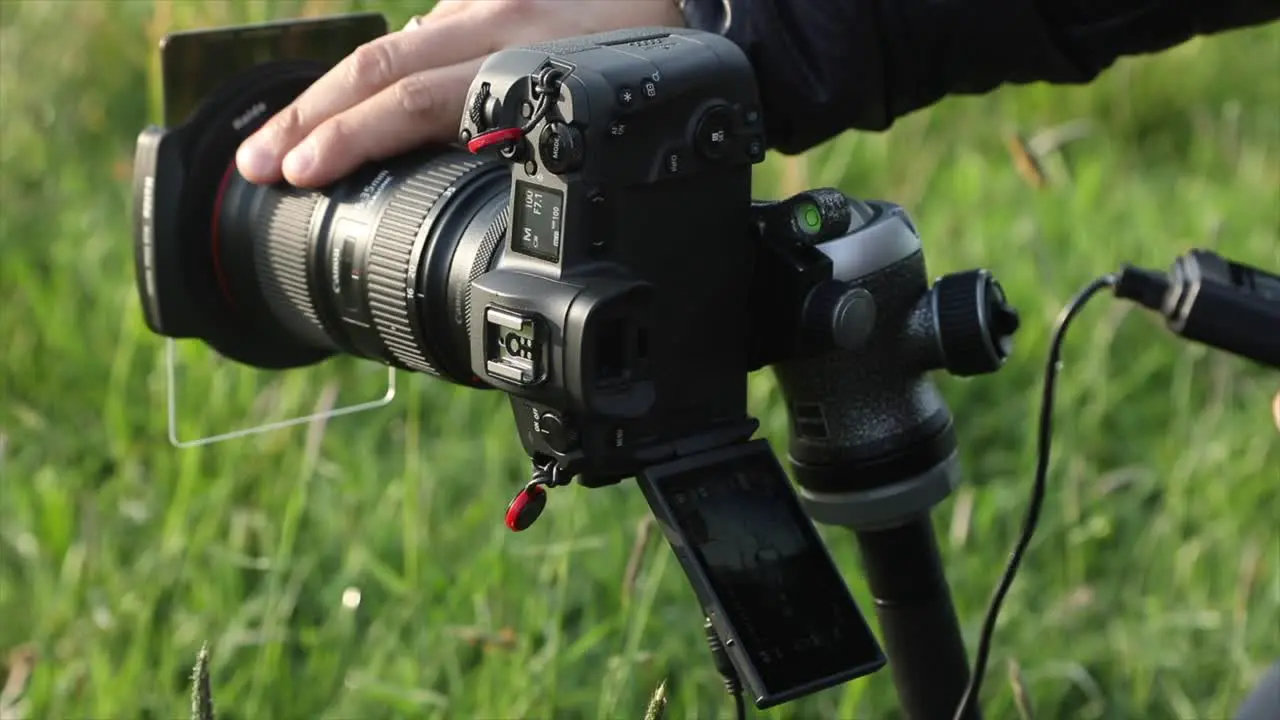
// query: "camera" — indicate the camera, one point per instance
point(591, 248)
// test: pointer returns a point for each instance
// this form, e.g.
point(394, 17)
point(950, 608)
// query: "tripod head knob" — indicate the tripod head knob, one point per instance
point(975, 323)
point(840, 315)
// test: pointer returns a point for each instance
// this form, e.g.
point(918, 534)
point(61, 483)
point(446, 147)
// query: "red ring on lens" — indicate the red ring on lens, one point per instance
point(215, 235)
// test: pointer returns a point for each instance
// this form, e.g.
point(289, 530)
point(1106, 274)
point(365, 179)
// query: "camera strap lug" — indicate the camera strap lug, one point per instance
point(546, 90)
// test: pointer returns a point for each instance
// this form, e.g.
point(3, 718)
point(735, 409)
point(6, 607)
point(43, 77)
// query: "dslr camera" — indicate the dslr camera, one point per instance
point(590, 247)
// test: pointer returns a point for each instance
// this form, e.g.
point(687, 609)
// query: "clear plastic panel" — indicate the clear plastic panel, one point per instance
point(238, 375)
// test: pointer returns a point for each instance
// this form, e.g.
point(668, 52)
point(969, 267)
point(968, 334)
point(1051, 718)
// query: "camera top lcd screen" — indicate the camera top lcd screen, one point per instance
point(538, 221)
point(741, 528)
point(195, 63)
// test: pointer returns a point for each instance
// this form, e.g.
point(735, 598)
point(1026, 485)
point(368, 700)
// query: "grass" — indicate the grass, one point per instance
point(360, 568)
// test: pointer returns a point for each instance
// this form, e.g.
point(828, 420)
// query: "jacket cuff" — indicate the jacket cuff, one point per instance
point(818, 64)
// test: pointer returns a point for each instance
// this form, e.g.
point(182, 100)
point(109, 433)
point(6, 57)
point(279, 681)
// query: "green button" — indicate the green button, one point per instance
point(808, 217)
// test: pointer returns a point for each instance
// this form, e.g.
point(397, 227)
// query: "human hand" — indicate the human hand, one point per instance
point(407, 88)
point(1275, 410)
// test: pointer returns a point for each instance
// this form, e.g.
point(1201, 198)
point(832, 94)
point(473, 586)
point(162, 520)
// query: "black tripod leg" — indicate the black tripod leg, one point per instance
point(921, 633)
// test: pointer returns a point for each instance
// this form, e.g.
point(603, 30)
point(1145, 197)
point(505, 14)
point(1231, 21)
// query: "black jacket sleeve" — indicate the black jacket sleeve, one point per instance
point(826, 66)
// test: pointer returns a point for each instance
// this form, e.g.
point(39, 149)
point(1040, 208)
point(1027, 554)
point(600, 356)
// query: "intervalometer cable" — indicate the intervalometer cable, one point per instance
point(725, 667)
point(972, 690)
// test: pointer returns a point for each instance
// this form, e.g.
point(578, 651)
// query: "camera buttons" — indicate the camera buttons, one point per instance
point(629, 97)
point(561, 148)
point(673, 162)
point(712, 135)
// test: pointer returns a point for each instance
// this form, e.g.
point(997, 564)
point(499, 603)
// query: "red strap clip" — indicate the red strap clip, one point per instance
point(526, 507)
point(483, 141)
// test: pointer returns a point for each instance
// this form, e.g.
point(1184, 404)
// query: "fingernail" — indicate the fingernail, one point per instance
point(254, 158)
point(299, 160)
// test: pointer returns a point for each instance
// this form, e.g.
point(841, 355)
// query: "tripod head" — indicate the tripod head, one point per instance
point(872, 445)
point(871, 437)
point(842, 309)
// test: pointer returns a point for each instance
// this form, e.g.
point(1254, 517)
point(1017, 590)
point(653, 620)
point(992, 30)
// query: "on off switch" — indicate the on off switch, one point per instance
point(712, 135)
point(561, 148)
point(558, 433)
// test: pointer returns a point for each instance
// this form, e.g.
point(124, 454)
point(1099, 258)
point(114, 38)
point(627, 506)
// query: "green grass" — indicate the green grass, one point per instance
point(1152, 590)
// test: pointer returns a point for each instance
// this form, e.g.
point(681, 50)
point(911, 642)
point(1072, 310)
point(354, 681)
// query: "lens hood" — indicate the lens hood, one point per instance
point(181, 176)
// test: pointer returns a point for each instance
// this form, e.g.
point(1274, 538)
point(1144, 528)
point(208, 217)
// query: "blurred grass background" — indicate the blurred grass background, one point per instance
point(360, 568)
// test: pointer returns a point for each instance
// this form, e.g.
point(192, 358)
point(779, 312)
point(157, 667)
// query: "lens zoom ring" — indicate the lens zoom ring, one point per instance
point(391, 275)
point(282, 265)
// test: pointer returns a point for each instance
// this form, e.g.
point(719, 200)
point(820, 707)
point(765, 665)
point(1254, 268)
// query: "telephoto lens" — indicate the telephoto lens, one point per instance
point(378, 265)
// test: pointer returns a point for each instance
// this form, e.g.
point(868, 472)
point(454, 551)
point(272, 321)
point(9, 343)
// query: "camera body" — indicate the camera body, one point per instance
point(616, 314)
point(595, 254)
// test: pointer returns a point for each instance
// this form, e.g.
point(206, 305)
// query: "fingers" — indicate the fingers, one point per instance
point(441, 9)
point(446, 7)
point(1275, 410)
point(421, 108)
point(442, 39)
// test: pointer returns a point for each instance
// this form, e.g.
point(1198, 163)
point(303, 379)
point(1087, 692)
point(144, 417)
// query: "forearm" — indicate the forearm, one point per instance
point(826, 66)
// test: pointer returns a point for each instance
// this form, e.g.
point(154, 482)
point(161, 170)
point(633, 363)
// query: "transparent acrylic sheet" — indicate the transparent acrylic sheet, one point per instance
point(171, 391)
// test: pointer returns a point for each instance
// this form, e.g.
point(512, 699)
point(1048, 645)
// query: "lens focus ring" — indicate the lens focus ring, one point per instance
point(282, 264)
point(392, 275)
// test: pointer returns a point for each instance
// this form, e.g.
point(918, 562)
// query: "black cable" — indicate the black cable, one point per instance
point(725, 667)
point(972, 690)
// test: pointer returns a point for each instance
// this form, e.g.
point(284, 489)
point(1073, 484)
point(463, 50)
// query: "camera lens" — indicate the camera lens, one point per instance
point(377, 266)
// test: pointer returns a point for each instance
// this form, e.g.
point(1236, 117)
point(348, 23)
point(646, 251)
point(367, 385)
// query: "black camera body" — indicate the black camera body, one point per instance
point(595, 253)
point(615, 316)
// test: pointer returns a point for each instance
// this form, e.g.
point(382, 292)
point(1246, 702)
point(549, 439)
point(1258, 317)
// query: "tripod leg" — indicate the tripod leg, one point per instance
point(921, 633)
